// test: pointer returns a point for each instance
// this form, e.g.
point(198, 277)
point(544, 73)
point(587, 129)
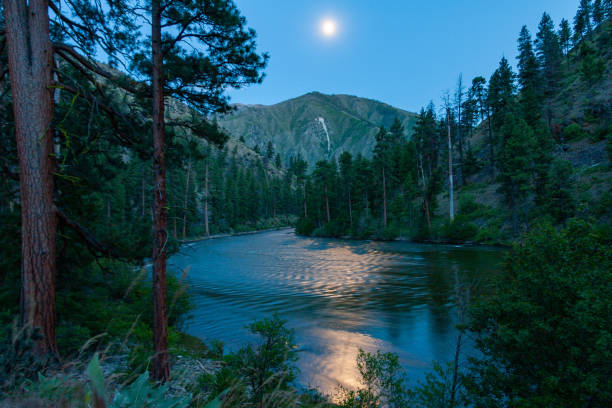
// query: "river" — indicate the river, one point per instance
point(338, 295)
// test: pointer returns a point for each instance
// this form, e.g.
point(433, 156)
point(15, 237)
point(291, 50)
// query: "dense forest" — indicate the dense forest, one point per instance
point(492, 160)
point(107, 168)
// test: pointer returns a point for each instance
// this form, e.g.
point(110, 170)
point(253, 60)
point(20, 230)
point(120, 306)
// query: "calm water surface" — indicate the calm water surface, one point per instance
point(338, 295)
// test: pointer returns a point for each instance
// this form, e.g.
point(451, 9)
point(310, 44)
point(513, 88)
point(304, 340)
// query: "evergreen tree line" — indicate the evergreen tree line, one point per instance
point(504, 128)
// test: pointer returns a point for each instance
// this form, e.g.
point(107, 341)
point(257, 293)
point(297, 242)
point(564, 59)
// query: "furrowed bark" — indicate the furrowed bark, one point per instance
point(206, 201)
point(30, 63)
point(161, 369)
point(327, 205)
point(384, 182)
point(185, 200)
point(450, 168)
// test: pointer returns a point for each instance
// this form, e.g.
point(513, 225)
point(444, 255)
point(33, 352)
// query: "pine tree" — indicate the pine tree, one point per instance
point(459, 93)
point(582, 21)
point(500, 99)
point(269, 151)
point(560, 202)
point(549, 56)
point(515, 162)
point(427, 143)
point(528, 78)
point(176, 26)
point(381, 161)
point(565, 37)
point(599, 12)
point(346, 173)
point(481, 92)
point(278, 163)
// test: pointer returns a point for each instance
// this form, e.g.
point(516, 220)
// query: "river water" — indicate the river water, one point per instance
point(338, 295)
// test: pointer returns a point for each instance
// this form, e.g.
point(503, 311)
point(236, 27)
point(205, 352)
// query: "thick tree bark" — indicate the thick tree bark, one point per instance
point(161, 368)
point(142, 197)
point(206, 200)
point(185, 200)
point(304, 196)
point(327, 205)
point(30, 62)
point(384, 182)
point(450, 168)
point(425, 193)
point(491, 152)
point(350, 206)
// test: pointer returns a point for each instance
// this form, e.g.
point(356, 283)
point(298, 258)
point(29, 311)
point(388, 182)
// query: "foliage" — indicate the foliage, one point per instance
point(18, 360)
point(382, 383)
point(555, 288)
point(260, 373)
point(142, 393)
point(460, 229)
point(436, 390)
point(573, 132)
point(560, 203)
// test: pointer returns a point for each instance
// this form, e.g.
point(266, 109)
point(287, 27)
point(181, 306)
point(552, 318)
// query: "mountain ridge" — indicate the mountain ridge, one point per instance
point(315, 125)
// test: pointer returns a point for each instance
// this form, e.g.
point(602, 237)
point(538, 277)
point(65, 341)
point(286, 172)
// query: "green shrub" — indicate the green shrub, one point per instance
point(544, 331)
point(460, 229)
point(260, 373)
point(304, 226)
point(573, 132)
point(18, 360)
point(383, 383)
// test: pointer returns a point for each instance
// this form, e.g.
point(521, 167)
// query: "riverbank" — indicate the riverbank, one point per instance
point(416, 241)
point(234, 234)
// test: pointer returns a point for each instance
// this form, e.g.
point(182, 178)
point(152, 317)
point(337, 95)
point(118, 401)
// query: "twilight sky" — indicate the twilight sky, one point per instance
point(402, 52)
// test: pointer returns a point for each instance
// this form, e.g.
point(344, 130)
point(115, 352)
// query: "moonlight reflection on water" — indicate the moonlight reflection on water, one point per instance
point(339, 296)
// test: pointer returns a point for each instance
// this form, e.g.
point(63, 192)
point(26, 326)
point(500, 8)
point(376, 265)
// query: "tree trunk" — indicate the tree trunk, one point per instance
point(161, 369)
point(450, 168)
point(30, 62)
point(143, 196)
point(206, 201)
point(491, 153)
point(425, 195)
point(350, 205)
point(304, 195)
point(327, 205)
point(460, 166)
point(185, 200)
point(514, 218)
point(384, 180)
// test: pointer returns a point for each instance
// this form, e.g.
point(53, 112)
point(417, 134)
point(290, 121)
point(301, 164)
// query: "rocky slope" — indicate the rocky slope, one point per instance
point(315, 125)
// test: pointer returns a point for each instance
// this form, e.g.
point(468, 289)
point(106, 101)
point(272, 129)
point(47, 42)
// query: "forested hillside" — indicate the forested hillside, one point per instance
point(525, 147)
point(315, 126)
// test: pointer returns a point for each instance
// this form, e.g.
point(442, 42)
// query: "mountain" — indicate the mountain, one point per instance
point(316, 126)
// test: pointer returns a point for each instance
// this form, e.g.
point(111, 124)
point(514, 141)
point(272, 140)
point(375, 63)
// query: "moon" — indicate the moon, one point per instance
point(329, 27)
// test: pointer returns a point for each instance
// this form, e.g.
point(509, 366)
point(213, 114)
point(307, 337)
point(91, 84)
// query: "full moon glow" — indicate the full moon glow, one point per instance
point(328, 28)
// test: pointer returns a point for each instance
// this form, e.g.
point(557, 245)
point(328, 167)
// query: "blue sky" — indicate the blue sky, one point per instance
point(402, 52)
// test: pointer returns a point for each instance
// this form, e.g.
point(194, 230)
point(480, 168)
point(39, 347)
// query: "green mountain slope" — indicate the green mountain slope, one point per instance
point(315, 125)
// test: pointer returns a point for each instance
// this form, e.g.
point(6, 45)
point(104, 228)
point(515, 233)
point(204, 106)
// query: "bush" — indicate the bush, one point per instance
point(545, 331)
point(382, 383)
point(261, 373)
point(573, 132)
point(18, 360)
point(460, 229)
point(304, 226)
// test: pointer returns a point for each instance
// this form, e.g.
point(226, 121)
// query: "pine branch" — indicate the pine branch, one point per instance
point(112, 113)
point(95, 246)
point(73, 24)
point(74, 58)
